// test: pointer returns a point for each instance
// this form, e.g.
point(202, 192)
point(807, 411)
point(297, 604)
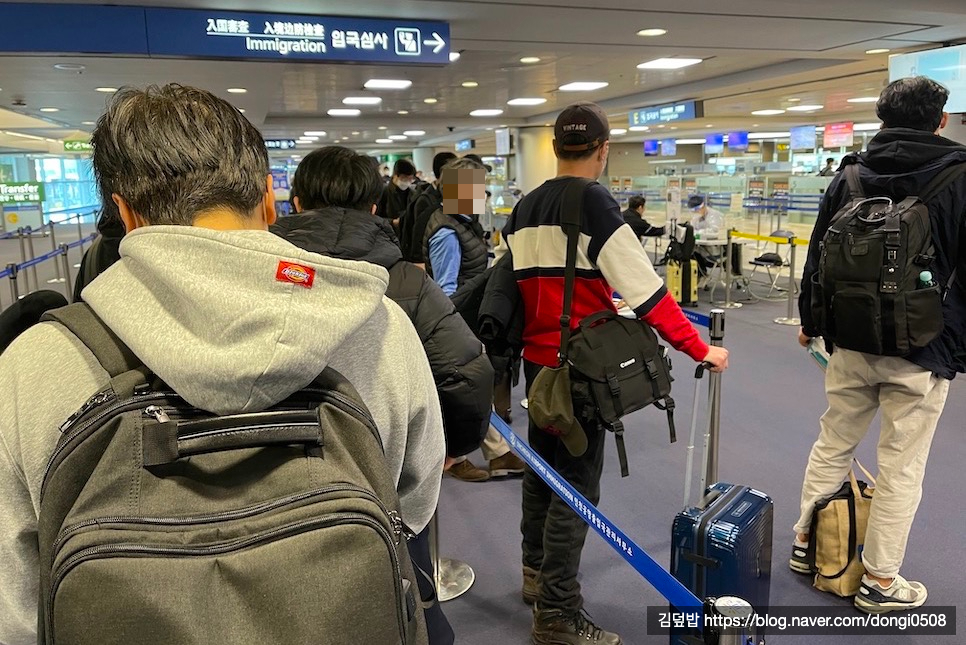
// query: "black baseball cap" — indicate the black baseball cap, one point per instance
point(581, 126)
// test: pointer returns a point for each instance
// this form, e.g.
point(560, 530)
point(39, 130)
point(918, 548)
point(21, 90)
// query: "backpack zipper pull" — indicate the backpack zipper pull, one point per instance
point(96, 400)
point(157, 413)
point(400, 528)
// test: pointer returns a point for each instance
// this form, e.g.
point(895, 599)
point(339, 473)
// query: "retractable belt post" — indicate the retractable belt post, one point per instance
point(14, 290)
point(709, 470)
point(729, 278)
point(790, 318)
point(452, 578)
point(65, 260)
point(53, 247)
point(23, 254)
point(33, 255)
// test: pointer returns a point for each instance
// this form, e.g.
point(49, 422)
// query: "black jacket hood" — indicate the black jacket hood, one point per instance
point(342, 233)
point(899, 152)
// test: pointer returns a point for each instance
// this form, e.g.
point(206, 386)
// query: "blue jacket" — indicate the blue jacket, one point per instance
point(899, 163)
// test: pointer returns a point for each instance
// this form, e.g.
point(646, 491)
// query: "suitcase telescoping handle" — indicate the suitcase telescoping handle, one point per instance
point(161, 443)
point(709, 465)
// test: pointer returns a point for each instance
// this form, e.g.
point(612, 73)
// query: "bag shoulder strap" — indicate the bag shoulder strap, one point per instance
point(942, 181)
point(571, 208)
point(109, 350)
point(855, 184)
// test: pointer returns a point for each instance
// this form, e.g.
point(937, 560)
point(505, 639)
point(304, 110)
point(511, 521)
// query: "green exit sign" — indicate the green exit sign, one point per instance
point(21, 192)
point(77, 146)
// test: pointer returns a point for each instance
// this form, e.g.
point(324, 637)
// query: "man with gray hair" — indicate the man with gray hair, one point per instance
point(905, 158)
point(208, 300)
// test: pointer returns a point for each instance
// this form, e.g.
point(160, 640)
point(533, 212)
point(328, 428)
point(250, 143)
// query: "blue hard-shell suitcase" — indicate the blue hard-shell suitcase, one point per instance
point(722, 546)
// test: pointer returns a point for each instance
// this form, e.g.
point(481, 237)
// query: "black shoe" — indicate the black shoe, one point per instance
point(556, 627)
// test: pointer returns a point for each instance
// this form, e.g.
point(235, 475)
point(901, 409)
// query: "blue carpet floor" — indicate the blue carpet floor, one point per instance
point(772, 398)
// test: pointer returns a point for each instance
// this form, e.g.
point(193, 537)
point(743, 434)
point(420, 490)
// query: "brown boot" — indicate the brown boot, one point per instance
point(531, 585)
point(506, 465)
point(468, 472)
point(556, 627)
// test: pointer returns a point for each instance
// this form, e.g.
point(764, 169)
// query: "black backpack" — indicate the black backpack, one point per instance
point(162, 523)
point(867, 295)
point(680, 251)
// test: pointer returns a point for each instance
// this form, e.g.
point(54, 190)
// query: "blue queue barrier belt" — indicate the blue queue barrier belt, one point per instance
point(667, 585)
point(697, 318)
point(47, 256)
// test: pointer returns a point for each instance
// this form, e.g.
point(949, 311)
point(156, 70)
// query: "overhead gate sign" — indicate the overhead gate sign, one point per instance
point(201, 33)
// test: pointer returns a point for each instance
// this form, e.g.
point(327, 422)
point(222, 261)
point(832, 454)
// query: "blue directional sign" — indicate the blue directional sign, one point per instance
point(681, 111)
point(196, 33)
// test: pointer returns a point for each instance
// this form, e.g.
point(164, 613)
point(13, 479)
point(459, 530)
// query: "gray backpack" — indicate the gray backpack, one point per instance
point(162, 523)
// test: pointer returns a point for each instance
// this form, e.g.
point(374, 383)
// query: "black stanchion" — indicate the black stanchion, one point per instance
point(14, 290)
point(33, 254)
point(53, 247)
point(23, 253)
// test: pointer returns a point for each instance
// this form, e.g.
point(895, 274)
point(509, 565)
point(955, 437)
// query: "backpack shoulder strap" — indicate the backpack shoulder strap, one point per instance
point(942, 181)
point(855, 184)
point(113, 355)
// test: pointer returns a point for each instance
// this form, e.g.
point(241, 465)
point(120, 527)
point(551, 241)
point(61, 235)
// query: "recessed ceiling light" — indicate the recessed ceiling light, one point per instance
point(454, 56)
point(616, 132)
point(308, 138)
point(430, 100)
point(674, 127)
point(470, 84)
point(387, 84)
point(768, 112)
point(652, 32)
point(414, 133)
point(236, 90)
point(876, 51)
point(639, 128)
point(315, 133)
point(398, 137)
point(362, 100)
point(583, 86)
point(403, 112)
point(356, 133)
point(529, 60)
point(661, 127)
point(345, 138)
point(486, 112)
point(690, 142)
point(88, 123)
point(794, 100)
point(242, 110)
point(70, 67)
point(805, 108)
point(382, 127)
point(863, 99)
point(49, 109)
point(106, 90)
point(384, 141)
point(525, 101)
point(344, 112)
point(670, 63)
point(709, 126)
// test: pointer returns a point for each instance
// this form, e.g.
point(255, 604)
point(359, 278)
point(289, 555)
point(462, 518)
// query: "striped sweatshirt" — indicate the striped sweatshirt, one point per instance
point(609, 257)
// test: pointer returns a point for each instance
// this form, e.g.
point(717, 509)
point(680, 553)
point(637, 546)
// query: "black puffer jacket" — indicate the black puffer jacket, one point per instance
point(464, 377)
point(899, 163)
point(103, 252)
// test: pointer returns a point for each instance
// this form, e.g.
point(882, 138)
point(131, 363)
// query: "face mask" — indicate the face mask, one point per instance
point(403, 185)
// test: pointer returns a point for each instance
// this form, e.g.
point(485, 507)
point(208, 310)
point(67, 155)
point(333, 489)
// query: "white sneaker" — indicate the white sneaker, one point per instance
point(873, 598)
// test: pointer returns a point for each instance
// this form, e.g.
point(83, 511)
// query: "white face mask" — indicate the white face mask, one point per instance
point(403, 185)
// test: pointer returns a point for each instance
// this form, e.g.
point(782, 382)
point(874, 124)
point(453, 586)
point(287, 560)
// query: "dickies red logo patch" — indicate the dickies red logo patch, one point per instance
point(295, 273)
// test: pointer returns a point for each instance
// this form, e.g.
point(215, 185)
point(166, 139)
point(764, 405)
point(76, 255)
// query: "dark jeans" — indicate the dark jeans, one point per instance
point(440, 631)
point(553, 535)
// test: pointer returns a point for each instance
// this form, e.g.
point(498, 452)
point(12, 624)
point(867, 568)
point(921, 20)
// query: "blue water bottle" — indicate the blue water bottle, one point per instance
point(925, 280)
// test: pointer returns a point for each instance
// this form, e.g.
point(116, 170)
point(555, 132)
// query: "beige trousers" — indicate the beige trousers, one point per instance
point(911, 401)
point(493, 446)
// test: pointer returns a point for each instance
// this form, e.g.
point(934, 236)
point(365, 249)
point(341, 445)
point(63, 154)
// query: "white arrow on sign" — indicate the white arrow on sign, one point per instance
point(437, 41)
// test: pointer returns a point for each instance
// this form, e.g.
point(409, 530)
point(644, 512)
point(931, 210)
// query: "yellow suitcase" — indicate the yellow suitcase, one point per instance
point(682, 281)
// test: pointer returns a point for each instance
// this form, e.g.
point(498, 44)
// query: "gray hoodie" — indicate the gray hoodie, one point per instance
point(207, 313)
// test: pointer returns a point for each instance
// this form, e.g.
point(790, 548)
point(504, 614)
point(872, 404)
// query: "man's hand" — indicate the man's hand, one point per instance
point(803, 340)
point(718, 359)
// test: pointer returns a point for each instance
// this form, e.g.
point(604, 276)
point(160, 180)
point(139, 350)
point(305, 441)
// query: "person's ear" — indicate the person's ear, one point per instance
point(373, 209)
point(130, 219)
point(297, 203)
point(944, 122)
point(269, 214)
point(604, 152)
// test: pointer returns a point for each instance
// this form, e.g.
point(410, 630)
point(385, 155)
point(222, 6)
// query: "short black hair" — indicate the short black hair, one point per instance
point(570, 155)
point(915, 102)
point(635, 202)
point(404, 168)
point(440, 160)
point(173, 152)
point(337, 176)
point(830, 160)
point(696, 200)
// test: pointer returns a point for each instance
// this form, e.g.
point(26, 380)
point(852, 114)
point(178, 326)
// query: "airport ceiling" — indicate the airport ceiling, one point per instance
point(756, 55)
